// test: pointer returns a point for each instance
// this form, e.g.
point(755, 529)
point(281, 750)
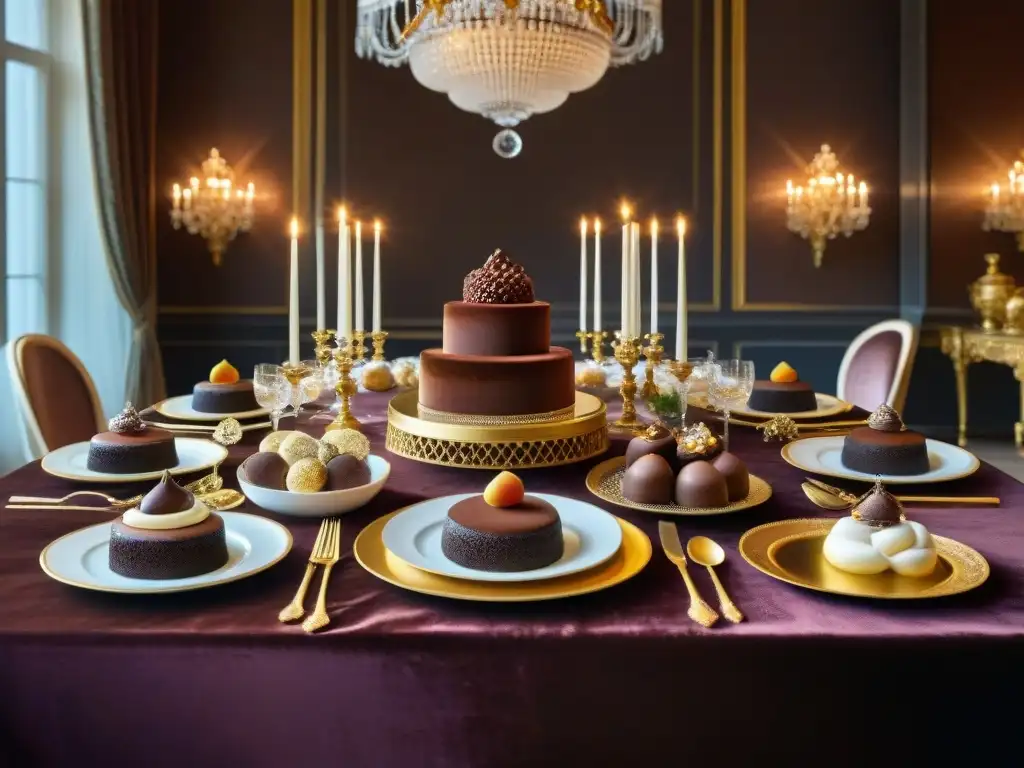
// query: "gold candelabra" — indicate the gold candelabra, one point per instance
point(378, 338)
point(830, 205)
point(358, 350)
point(346, 388)
point(214, 207)
point(652, 353)
point(322, 351)
point(597, 345)
point(1005, 209)
point(583, 336)
point(627, 353)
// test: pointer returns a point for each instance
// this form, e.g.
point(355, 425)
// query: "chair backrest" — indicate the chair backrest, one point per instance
point(55, 395)
point(877, 365)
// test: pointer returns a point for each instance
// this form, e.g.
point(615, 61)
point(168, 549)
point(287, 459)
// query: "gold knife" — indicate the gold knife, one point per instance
point(699, 611)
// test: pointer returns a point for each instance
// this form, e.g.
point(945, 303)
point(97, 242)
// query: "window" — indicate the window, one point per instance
point(23, 155)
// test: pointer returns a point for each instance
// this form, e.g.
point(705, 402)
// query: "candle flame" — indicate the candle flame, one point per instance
point(681, 226)
point(789, 186)
point(341, 214)
point(294, 227)
point(625, 212)
point(597, 226)
point(583, 225)
point(654, 226)
point(995, 190)
point(177, 191)
point(377, 226)
point(863, 187)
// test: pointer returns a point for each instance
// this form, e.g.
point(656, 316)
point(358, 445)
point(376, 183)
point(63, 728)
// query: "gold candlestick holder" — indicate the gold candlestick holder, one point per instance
point(627, 353)
point(583, 336)
point(378, 338)
point(346, 389)
point(681, 369)
point(652, 353)
point(597, 345)
point(322, 350)
point(358, 350)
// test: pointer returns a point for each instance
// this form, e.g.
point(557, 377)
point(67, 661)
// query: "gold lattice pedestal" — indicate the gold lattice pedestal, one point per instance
point(514, 446)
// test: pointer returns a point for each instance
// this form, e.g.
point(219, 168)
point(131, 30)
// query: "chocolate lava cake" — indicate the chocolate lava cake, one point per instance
point(130, 446)
point(885, 446)
point(522, 537)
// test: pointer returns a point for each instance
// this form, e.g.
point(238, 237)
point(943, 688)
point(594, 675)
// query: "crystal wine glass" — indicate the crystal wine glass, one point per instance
point(730, 383)
point(272, 390)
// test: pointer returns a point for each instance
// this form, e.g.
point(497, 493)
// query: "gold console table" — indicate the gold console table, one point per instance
point(973, 345)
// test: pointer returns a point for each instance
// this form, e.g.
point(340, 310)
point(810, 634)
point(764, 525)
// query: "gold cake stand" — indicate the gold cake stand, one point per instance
point(581, 436)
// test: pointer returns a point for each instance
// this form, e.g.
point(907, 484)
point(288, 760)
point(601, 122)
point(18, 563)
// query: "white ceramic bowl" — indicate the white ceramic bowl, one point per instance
point(322, 504)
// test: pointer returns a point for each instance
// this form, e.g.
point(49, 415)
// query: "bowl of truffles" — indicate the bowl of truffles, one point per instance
point(295, 474)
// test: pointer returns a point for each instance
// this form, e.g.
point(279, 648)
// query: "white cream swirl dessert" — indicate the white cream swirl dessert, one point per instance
point(876, 537)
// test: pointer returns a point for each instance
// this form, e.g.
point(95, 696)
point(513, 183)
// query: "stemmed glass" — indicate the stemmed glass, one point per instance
point(272, 390)
point(730, 383)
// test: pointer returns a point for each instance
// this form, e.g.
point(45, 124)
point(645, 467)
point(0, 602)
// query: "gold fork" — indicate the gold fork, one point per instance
point(206, 484)
point(295, 610)
point(319, 618)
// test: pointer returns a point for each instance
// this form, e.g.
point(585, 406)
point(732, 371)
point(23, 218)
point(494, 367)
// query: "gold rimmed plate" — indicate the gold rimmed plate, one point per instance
point(791, 551)
point(372, 555)
point(70, 462)
point(828, 405)
point(605, 482)
point(180, 407)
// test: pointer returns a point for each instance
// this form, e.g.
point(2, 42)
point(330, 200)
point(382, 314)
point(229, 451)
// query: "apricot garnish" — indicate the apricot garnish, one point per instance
point(223, 373)
point(784, 374)
point(505, 490)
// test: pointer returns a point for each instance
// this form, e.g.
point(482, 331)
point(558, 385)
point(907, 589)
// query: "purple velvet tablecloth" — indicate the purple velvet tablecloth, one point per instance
point(621, 677)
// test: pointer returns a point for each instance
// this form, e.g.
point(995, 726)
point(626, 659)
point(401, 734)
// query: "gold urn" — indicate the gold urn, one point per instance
point(1014, 322)
point(990, 294)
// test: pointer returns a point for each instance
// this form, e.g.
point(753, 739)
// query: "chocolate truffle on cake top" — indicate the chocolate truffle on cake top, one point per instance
point(498, 281)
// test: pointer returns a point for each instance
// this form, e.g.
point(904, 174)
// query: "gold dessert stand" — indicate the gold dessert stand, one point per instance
point(581, 436)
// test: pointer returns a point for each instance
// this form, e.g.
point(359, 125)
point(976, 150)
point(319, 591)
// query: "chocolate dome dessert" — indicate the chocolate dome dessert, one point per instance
point(346, 471)
point(657, 439)
point(267, 470)
point(649, 480)
point(170, 535)
point(878, 507)
point(701, 485)
point(737, 477)
point(130, 446)
point(885, 446)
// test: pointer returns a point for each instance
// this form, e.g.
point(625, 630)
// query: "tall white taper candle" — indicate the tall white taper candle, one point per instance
point(376, 275)
point(358, 320)
point(597, 274)
point(634, 327)
point(321, 288)
point(681, 319)
point(654, 275)
point(626, 284)
point(344, 327)
point(583, 274)
point(293, 296)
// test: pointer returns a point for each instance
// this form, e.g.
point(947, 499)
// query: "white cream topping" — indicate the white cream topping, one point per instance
point(138, 519)
point(856, 547)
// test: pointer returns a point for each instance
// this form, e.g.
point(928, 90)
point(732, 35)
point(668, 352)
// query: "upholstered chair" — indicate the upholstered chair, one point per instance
point(54, 394)
point(877, 365)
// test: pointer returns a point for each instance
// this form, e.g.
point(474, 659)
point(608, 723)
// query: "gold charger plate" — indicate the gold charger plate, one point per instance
point(791, 551)
point(371, 553)
point(605, 481)
point(828, 405)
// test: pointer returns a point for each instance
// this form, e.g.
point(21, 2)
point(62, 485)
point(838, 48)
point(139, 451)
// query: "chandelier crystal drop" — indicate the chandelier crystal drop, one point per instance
point(508, 60)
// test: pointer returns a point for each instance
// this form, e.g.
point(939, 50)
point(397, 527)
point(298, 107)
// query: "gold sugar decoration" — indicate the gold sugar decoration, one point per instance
point(349, 441)
point(306, 476)
point(698, 439)
point(228, 432)
point(886, 419)
point(327, 451)
point(272, 442)
point(779, 427)
point(297, 446)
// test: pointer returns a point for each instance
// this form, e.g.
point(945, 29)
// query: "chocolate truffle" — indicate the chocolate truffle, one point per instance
point(878, 507)
point(267, 470)
point(657, 440)
point(649, 480)
point(737, 477)
point(345, 472)
point(166, 498)
point(701, 485)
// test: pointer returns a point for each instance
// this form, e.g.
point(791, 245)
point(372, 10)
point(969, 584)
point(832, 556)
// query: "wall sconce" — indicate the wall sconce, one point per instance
point(830, 204)
point(1005, 209)
point(213, 207)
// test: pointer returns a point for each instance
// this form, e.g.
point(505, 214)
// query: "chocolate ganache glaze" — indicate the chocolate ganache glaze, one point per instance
point(521, 537)
point(885, 446)
point(130, 446)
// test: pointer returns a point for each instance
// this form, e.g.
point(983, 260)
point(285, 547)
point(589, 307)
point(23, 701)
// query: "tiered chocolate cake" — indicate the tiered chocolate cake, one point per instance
point(497, 359)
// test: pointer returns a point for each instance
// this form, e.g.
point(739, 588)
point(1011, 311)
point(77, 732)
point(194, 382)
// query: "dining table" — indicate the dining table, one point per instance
point(620, 677)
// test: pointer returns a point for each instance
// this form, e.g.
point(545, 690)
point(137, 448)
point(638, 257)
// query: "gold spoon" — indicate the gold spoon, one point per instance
point(848, 499)
point(824, 499)
point(204, 485)
point(706, 552)
point(225, 498)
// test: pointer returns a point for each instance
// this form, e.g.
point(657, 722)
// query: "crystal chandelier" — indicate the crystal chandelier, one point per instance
point(830, 205)
point(1005, 209)
point(508, 59)
point(213, 208)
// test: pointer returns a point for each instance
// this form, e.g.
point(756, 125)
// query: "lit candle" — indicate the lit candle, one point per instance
point(187, 194)
point(681, 320)
point(995, 193)
point(625, 302)
point(358, 319)
point(634, 320)
point(321, 301)
point(344, 329)
point(177, 197)
point(654, 275)
point(597, 274)
point(583, 274)
point(789, 193)
point(863, 190)
point(250, 192)
point(293, 296)
point(376, 276)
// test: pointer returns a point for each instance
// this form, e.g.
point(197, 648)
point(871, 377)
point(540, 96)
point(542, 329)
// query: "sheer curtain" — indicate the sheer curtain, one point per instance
point(83, 307)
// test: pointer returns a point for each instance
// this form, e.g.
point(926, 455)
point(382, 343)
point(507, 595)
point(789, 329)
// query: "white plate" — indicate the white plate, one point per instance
point(828, 405)
point(180, 407)
point(322, 504)
point(81, 558)
point(591, 536)
point(821, 455)
point(194, 454)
